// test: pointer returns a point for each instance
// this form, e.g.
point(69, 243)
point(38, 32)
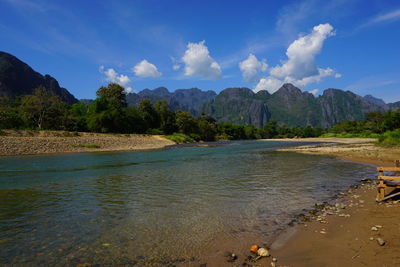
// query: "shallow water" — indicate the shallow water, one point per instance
point(157, 207)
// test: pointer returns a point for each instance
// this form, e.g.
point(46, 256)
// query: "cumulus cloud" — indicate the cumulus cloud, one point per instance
point(198, 62)
point(113, 77)
point(251, 68)
point(146, 69)
point(270, 84)
point(300, 68)
point(176, 67)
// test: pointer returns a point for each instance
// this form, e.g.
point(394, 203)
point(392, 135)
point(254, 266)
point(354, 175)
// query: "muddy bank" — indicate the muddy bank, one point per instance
point(14, 143)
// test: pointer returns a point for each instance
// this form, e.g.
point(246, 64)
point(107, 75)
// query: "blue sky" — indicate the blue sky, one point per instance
point(212, 45)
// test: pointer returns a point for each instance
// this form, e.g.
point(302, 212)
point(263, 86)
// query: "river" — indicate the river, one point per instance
point(160, 207)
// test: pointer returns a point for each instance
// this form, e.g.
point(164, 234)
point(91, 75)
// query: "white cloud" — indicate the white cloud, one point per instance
point(393, 15)
point(314, 92)
point(176, 67)
point(251, 68)
point(198, 62)
point(270, 84)
point(300, 68)
point(146, 69)
point(113, 77)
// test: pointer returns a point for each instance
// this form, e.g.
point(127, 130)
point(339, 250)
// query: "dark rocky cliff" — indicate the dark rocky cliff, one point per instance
point(17, 78)
point(238, 105)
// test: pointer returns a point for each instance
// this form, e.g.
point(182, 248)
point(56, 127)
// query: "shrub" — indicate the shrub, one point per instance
point(180, 138)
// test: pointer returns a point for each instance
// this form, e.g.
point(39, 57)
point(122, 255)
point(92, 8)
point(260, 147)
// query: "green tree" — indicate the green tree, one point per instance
point(270, 129)
point(10, 117)
point(149, 114)
point(166, 117)
point(77, 117)
point(44, 109)
point(107, 113)
point(186, 123)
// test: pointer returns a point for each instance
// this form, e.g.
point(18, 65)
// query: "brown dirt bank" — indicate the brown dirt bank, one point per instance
point(45, 142)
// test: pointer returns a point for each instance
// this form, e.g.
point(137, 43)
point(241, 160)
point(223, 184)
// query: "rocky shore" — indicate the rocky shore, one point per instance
point(14, 143)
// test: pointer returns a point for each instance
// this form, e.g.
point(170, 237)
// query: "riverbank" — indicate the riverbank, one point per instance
point(354, 149)
point(352, 232)
point(13, 143)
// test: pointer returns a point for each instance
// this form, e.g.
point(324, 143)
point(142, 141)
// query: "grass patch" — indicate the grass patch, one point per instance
point(86, 145)
point(351, 135)
point(180, 138)
point(390, 139)
point(2, 133)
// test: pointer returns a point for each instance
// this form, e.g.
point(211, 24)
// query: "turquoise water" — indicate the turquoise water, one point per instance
point(157, 207)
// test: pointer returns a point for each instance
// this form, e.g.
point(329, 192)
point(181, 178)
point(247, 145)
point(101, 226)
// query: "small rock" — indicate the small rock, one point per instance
point(273, 264)
point(380, 241)
point(371, 238)
point(373, 228)
point(274, 260)
point(378, 226)
point(232, 257)
point(263, 252)
point(322, 232)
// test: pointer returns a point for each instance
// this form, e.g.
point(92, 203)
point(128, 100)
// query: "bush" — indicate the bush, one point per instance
point(155, 132)
point(390, 138)
point(180, 138)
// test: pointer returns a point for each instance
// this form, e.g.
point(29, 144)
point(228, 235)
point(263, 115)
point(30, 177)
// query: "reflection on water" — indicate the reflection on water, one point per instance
point(156, 207)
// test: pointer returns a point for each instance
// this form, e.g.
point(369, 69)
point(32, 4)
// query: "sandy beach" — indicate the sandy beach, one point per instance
point(47, 142)
point(346, 236)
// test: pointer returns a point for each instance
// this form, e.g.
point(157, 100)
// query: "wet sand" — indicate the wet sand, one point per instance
point(16, 143)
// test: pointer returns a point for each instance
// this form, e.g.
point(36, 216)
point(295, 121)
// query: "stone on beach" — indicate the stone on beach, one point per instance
point(380, 241)
point(263, 252)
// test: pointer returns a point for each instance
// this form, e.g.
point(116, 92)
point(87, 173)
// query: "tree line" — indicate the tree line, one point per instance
point(382, 125)
point(109, 113)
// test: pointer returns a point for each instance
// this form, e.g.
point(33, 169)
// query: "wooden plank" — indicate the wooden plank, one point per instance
point(389, 177)
point(390, 196)
point(389, 169)
point(388, 186)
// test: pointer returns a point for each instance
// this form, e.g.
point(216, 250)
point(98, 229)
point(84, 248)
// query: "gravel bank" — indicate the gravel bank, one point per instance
point(44, 142)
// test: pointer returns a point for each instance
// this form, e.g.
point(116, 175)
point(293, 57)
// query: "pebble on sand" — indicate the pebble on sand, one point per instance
point(380, 241)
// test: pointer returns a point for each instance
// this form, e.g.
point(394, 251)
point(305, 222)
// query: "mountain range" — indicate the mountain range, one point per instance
point(287, 105)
